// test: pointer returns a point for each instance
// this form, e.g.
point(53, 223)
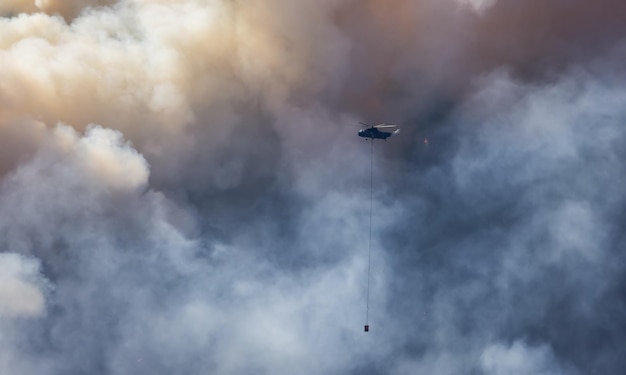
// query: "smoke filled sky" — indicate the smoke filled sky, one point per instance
point(182, 190)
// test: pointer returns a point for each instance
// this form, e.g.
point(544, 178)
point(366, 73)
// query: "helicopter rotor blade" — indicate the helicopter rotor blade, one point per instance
point(385, 126)
point(364, 124)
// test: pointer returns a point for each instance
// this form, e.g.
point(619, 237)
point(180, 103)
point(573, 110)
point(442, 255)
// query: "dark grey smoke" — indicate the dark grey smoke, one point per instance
point(215, 220)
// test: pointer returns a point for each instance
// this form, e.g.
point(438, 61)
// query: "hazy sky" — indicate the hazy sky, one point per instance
point(182, 192)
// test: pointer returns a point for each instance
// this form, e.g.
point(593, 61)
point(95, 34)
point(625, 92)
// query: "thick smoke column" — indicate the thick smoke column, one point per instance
point(180, 193)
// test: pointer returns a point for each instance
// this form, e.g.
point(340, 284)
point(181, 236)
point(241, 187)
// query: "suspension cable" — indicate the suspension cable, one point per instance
point(369, 253)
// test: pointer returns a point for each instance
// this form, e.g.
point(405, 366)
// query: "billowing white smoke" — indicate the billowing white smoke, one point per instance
point(119, 265)
point(519, 359)
point(21, 285)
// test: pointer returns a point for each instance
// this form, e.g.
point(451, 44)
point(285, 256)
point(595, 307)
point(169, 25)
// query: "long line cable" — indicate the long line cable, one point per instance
point(369, 253)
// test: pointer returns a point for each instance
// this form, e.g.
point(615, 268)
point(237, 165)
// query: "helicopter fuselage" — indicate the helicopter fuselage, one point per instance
point(374, 133)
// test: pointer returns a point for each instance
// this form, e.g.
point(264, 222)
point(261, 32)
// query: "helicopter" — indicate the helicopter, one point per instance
point(372, 132)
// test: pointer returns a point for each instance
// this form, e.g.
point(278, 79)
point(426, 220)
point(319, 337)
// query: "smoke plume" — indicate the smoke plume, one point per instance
point(182, 190)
